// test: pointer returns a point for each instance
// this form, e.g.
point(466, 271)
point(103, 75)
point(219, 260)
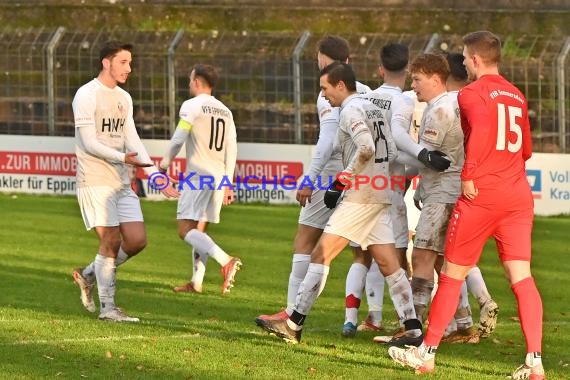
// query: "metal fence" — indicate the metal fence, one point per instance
point(269, 80)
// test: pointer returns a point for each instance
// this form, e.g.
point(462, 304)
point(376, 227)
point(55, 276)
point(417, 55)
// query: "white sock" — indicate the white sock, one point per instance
point(401, 294)
point(532, 359)
point(476, 285)
point(426, 352)
point(463, 314)
point(105, 271)
point(89, 272)
point(204, 243)
point(198, 268)
point(355, 279)
point(299, 268)
point(422, 292)
point(311, 287)
point(451, 328)
point(121, 257)
point(375, 294)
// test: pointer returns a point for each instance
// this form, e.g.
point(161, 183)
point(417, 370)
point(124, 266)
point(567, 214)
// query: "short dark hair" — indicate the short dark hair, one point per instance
point(394, 56)
point(456, 67)
point(111, 48)
point(334, 47)
point(340, 71)
point(208, 73)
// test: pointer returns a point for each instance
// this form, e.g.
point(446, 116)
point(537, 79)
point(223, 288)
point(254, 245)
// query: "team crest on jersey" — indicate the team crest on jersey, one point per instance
point(120, 108)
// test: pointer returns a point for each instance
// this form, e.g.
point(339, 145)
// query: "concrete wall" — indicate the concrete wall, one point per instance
point(538, 5)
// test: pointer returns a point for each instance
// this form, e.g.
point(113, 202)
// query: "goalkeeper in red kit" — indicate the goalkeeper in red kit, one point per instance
point(495, 200)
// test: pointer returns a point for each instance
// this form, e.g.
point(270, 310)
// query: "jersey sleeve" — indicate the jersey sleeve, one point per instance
point(477, 125)
point(92, 146)
point(178, 137)
point(84, 108)
point(231, 152)
point(328, 123)
point(133, 142)
point(436, 125)
point(402, 116)
point(353, 122)
point(527, 138)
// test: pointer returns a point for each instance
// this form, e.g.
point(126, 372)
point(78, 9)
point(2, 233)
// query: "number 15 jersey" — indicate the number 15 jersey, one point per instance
point(207, 127)
point(494, 119)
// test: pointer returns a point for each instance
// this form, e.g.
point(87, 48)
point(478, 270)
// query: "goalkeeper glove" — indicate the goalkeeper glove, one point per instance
point(434, 159)
point(333, 194)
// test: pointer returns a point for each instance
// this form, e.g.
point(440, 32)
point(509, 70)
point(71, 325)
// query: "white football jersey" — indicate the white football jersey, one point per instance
point(110, 112)
point(397, 108)
point(358, 115)
point(440, 129)
point(327, 157)
point(210, 136)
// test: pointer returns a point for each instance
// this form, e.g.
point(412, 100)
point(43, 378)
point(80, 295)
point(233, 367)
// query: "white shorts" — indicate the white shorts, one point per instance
point(361, 223)
point(315, 214)
point(201, 205)
point(398, 212)
point(383, 231)
point(104, 206)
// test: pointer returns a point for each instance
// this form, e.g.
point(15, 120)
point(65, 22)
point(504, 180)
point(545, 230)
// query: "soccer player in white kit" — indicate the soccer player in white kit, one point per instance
point(106, 143)
point(363, 215)
point(398, 111)
point(326, 163)
point(207, 128)
point(440, 129)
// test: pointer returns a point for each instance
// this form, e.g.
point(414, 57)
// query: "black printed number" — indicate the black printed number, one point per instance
point(217, 133)
point(378, 125)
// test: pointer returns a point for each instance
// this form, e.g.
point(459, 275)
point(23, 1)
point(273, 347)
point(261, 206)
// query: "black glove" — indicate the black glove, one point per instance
point(434, 159)
point(333, 194)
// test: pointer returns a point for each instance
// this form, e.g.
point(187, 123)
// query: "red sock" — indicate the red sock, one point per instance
point(442, 308)
point(530, 313)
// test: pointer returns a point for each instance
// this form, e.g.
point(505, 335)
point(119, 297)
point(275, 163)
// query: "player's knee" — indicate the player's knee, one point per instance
point(110, 246)
point(134, 246)
point(318, 256)
point(183, 231)
point(141, 244)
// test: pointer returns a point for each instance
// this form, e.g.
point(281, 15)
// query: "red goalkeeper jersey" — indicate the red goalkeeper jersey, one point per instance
point(494, 119)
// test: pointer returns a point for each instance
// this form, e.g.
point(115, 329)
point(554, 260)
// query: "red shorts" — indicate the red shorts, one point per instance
point(470, 226)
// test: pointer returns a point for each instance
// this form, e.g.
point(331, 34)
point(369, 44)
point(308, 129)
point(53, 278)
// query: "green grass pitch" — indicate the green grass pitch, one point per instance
point(46, 334)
